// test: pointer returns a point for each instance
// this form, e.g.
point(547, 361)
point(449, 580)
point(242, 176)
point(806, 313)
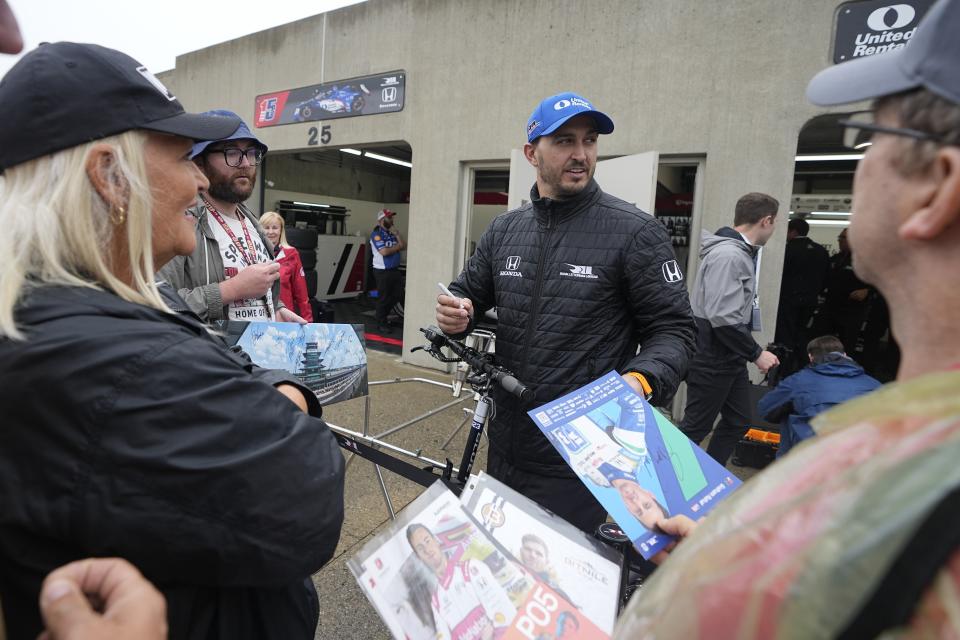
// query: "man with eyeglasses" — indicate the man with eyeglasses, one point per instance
point(856, 533)
point(231, 275)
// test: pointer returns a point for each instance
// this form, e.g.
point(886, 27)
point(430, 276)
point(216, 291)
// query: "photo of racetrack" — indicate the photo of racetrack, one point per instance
point(328, 358)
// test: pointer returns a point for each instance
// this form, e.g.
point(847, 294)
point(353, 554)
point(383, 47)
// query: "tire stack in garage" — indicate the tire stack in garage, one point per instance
point(305, 241)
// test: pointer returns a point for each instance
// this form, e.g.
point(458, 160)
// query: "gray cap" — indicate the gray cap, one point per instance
point(931, 60)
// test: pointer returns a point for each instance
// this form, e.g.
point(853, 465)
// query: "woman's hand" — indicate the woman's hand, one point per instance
point(678, 526)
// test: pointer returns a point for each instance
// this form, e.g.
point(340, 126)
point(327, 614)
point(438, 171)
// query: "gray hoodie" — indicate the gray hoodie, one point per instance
point(722, 301)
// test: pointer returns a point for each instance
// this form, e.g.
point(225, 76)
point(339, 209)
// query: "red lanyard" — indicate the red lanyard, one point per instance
point(248, 258)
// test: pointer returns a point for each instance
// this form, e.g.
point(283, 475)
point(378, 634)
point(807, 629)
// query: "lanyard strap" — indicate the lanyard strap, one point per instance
point(248, 258)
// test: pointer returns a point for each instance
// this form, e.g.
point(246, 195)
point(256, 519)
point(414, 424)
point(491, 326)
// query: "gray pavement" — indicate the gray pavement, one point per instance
point(344, 610)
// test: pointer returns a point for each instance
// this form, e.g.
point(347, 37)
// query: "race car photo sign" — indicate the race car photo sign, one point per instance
point(365, 96)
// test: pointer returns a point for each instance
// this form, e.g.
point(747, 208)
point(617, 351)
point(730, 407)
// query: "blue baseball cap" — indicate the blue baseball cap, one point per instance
point(242, 133)
point(556, 110)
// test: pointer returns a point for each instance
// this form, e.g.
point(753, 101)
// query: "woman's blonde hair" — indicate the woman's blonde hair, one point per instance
point(273, 216)
point(58, 230)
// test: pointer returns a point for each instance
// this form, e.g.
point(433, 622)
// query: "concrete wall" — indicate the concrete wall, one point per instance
point(721, 79)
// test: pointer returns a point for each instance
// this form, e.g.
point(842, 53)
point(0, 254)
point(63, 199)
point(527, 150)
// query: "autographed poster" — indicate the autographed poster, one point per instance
point(637, 464)
point(435, 574)
point(582, 570)
point(328, 358)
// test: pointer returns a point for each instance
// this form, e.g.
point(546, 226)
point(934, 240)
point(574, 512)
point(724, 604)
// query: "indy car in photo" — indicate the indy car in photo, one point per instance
point(343, 99)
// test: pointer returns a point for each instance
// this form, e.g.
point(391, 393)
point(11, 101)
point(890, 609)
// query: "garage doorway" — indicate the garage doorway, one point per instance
point(331, 197)
point(483, 196)
point(835, 302)
point(679, 207)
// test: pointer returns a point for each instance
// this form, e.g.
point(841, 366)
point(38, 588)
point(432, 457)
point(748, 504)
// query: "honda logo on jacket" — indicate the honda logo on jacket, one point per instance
point(671, 271)
point(512, 265)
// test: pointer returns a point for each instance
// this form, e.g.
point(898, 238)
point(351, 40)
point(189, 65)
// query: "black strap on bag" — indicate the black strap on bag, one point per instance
point(895, 599)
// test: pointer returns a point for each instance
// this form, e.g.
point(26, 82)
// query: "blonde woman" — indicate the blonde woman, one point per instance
point(293, 281)
point(128, 429)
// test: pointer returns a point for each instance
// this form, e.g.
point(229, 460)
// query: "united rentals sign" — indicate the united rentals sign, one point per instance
point(874, 26)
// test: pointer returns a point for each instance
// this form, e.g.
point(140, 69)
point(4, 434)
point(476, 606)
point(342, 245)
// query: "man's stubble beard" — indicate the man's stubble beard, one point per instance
point(555, 180)
point(225, 191)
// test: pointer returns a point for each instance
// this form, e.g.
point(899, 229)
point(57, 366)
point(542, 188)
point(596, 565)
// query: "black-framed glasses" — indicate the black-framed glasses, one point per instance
point(859, 127)
point(234, 156)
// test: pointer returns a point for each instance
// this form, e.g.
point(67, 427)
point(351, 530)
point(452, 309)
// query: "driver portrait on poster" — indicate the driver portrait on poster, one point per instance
point(436, 574)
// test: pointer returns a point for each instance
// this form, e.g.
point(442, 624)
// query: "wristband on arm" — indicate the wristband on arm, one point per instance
point(647, 389)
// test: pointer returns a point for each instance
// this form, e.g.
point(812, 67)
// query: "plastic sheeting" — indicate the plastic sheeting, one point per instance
point(798, 549)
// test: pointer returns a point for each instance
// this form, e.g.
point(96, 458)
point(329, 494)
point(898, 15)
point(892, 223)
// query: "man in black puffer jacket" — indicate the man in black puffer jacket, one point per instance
point(579, 279)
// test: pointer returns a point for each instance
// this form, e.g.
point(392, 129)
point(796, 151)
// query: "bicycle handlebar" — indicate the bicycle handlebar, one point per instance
point(478, 361)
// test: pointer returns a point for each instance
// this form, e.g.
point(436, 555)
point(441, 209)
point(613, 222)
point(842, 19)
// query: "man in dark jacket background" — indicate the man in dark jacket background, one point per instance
point(726, 310)
point(579, 279)
point(805, 268)
point(831, 378)
point(857, 313)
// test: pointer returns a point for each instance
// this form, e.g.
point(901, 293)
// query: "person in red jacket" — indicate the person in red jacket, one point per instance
point(293, 282)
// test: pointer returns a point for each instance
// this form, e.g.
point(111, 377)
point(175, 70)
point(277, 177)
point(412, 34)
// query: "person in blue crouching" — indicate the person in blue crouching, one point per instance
point(830, 379)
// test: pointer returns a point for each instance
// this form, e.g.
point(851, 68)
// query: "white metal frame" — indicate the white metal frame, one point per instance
point(376, 440)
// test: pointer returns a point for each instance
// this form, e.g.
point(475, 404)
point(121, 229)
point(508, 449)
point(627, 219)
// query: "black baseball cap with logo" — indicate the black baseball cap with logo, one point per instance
point(64, 94)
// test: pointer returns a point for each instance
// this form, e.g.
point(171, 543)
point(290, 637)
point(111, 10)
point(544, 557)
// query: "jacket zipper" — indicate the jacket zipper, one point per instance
point(535, 301)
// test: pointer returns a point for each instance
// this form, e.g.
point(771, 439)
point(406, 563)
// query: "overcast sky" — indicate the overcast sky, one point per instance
point(154, 33)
